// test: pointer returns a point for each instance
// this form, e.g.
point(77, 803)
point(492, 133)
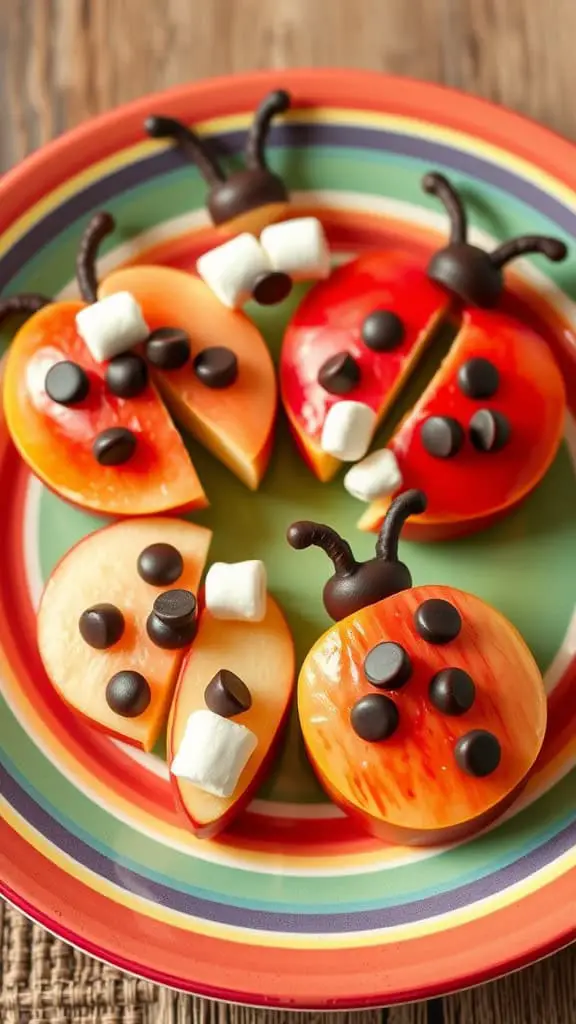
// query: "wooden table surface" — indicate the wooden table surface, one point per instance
point(62, 61)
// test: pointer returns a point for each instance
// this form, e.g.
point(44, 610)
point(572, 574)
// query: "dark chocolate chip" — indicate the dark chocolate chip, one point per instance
point(478, 378)
point(170, 638)
point(272, 288)
point(160, 564)
point(175, 607)
point(127, 375)
point(442, 436)
point(101, 626)
point(452, 691)
point(437, 621)
point(478, 753)
point(489, 430)
point(168, 348)
point(227, 695)
point(387, 666)
point(67, 383)
point(216, 367)
point(128, 694)
point(340, 374)
point(382, 330)
point(114, 446)
point(374, 717)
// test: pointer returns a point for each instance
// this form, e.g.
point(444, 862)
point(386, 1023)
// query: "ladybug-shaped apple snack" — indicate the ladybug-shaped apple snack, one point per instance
point(488, 425)
point(80, 406)
point(422, 709)
point(245, 200)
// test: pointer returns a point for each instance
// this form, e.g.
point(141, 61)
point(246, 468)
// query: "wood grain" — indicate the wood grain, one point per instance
point(61, 61)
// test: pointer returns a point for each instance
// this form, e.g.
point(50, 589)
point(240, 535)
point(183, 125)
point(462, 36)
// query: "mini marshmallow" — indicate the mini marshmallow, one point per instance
point(348, 430)
point(299, 247)
point(213, 753)
point(112, 325)
point(377, 476)
point(231, 270)
point(236, 590)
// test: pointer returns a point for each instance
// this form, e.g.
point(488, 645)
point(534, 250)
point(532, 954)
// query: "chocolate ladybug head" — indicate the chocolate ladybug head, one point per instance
point(468, 272)
point(242, 191)
point(356, 585)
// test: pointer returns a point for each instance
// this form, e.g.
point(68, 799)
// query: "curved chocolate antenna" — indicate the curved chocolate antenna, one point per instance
point(468, 272)
point(27, 303)
point(194, 148)
point(552, 248)
point(102, 224)
point(276, 102)
point(305, 534)
point(356, 585)
point(437, 185)
point(409, 503)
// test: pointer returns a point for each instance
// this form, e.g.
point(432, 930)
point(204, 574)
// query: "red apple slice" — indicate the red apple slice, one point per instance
point(102, 568)
point(262, 655)
point(234, 423)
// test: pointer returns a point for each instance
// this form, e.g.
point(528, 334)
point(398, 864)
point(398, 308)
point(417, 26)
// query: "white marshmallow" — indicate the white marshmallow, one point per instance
point(377, 476)
point(231, 270)
point(213, 753)
point(112, 325)
point(348, 430)
point(299, 247)
point(236, 590)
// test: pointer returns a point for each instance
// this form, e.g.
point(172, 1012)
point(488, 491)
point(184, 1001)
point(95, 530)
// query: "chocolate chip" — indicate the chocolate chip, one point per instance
point(67, 383)
point(437, 621)
point(388, 666)
point(227, 695)
point(175, 607)
point(442, 436)
point(168, 348)
point(272, 288)
point(101, 626)
point(489, 430)
point(478, 753)
point(478, 378)
point(128, 694)
point(114, 446)
point(382, 330)
point(452, 691)
point(127, 375)
point(339, 374)
point(216, 367)
point(160, 564)
point(170, 638)
point(374, 717)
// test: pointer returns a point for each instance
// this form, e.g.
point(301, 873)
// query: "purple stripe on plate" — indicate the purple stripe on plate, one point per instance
point(368, 920)
point(297, 135)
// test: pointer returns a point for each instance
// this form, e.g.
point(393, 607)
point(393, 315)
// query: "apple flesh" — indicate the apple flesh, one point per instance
point(262, 655)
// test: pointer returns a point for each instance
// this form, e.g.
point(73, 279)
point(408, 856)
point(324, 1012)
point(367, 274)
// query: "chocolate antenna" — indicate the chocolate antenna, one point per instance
point(469, 273)
point(437, 185)
point(102, 224)
point(277, 102)
point(356, 585)
point(552, 248)
point(189, 143)
point(251, 188)
point(27, 303)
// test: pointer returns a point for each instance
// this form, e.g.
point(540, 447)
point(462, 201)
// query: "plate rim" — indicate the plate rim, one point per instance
point(473, 113)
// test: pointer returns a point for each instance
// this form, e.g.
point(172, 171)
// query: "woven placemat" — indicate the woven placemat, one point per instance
point(42, 979)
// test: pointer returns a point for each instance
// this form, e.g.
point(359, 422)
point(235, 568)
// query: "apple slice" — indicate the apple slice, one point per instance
point(56, 440)
point(102, 568)
point(235, 423)
point(262, 655)
point(412, 786)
